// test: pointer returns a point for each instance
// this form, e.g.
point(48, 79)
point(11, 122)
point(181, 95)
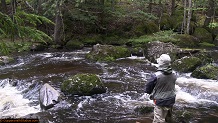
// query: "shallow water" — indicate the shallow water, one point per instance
point(125, 80)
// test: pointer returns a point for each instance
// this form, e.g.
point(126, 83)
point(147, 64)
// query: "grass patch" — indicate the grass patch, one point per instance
point(163, 36)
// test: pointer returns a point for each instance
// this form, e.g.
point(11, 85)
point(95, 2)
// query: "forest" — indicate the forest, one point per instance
point(72, 24)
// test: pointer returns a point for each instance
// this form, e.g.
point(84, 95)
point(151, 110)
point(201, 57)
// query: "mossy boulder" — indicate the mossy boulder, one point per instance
point(144, 28)
point(205, 56)
point(187, 41)
point(74, 44)
point(209, 71)
point(108, 52)
point(6, 60)
point(83, 84)
point(186, 64)
point(203, 35)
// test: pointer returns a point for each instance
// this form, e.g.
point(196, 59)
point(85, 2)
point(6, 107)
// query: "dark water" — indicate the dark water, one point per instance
point(197, 100)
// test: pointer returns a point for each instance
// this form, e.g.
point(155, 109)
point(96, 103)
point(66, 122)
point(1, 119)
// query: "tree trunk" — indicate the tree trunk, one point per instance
point(173, 7)
point(189, 16)
point(58, 30)
point(150, 6)
point(160, 13)
point(3, 6)
point(210, 12)
point(184, 17)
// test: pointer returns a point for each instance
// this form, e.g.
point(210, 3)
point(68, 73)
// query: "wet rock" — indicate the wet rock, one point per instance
point(6, 60)
point(48, 97)
point(144, 109)
point(186, 64)
point(83, 84)
point(38, 47)
point(183, 116)
point(108, 52)
point(209, 71)
point(156, 48)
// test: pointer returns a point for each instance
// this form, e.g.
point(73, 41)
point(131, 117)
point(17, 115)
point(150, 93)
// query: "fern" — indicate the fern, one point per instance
point(4, 48)
point(23, 28)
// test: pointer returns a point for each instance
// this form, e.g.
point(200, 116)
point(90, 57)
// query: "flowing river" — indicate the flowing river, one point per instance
point(125, 81)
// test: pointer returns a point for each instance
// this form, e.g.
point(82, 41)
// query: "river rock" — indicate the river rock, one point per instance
point(156, 48)
point(108, 52)
point(83, 84)
point(37, 47)
point(6, 60)
point(209, 71)
point(48, 97)
point(186, 64)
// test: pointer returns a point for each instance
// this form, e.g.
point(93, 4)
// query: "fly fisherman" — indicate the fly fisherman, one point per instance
point(161, 89)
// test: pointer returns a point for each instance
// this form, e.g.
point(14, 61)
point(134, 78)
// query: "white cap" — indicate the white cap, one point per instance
point(164, 60)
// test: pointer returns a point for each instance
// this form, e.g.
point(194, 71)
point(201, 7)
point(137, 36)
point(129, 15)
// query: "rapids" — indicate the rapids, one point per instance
point(125, 80)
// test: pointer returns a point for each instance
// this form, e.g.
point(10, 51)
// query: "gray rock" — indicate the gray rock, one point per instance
point(156, 48)
point(48, 97)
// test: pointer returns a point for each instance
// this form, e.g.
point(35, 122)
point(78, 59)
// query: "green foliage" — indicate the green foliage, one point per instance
point(7, 47)
point(4, 48)
point(163, 36)
point(213, 25)
point(206, 44)
point(23, 26)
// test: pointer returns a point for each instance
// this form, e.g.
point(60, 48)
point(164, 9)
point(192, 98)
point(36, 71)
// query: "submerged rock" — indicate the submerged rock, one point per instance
point(48, 97)
point(83, 84)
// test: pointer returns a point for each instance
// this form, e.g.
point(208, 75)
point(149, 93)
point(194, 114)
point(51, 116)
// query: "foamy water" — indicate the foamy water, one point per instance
point(13, 103)
point(207, 91)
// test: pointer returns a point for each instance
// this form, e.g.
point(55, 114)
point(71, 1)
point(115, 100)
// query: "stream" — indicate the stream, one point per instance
point(124, 79)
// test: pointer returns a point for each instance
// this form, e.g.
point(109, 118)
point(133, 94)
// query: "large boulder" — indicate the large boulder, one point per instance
point(83, 84)
point(108, 52)
point(186, 64)
point(156, 48)
point(48, 97)
point(187, 41)
point(209, 71)
point(74, 44)
point(203, 35)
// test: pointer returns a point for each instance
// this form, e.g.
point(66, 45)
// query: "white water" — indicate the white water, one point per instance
point(12, 102)
point(207, 91)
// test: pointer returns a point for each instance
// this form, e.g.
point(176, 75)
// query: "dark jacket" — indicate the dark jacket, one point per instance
point(161, 87)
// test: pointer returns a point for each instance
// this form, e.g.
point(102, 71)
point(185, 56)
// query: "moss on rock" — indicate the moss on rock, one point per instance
point(83, 84)
point(186, 41)
point(209, 71)
point(186, 64)
point(203, 35)
point(145, 28)
point(108, 52)
point(74, 44)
